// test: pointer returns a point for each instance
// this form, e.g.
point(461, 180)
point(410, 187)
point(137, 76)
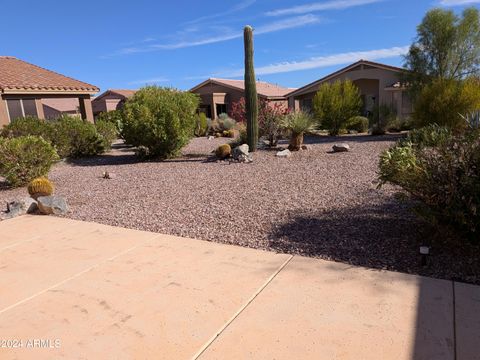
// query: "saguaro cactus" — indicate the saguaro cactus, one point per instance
point(251, 105)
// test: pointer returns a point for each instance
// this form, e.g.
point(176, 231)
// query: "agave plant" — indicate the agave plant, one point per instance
point(297, 123)
point(472, 119)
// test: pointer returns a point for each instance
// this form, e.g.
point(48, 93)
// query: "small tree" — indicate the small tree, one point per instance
point(238, 111)
point(446, 47)
point(335, 103)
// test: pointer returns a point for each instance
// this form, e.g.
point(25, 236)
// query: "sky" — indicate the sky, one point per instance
point(128, 44)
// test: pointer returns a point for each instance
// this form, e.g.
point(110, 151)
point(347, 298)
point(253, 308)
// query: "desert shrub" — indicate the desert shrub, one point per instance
point(223, 151)
point(358, 123)
point(398, 124)
point(40, 186)
point(160, 119)
point(442, 101)
point(429, 136)
point(29, 125)
point(114, 117)
point(201, 125)
point(238, 111)
point(225, 122)
point(472, 119)
point(297, 123)
point(444, 179)
point(24, 158)
point(335, 103)
point(74, 138)
point(108, 131)
point(381, 118)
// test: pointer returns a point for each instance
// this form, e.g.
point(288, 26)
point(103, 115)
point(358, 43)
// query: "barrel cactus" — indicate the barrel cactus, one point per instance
point(40, 186)
point(223, 151)
point(251, 106)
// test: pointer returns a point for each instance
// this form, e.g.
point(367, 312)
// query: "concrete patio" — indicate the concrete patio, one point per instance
point(90, 291)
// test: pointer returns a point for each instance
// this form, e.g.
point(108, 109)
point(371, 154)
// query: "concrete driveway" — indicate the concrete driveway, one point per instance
point(77, 290)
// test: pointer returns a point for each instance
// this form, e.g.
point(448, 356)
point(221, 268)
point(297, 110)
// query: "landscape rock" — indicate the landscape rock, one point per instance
point(52, 205)
point(20, 207)
point(306, 147)
point(245, 158)
point(240, 150)
point(284, 153)
point(211, 138)
point(342, 147)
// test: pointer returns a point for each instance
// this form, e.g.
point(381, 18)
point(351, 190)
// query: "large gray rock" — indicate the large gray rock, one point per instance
point(52, 205)
point(342, 147)
point(284, 153)
point(240, 150)
point(19, 207)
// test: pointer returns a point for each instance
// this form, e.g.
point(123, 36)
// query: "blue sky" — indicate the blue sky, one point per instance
point(126, 44)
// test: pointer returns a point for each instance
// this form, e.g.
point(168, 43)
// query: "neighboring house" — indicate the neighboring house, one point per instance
point(27, 89)
point(217, 95)
point(379, 84)
point(110, 100)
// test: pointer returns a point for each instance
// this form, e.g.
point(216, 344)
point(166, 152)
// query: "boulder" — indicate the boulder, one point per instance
point(245, 158)
point(19, 207)
point(342, 147)
point(284, 153)
point(240, 150)
point(52, 205)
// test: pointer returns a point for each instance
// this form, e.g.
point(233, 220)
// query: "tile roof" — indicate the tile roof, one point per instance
point(263, 88)
point(18, 75)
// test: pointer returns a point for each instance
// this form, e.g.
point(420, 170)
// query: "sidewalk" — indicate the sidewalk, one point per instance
point(90, 291)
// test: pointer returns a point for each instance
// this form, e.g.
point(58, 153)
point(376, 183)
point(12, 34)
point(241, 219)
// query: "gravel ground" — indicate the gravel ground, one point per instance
point(314, 203)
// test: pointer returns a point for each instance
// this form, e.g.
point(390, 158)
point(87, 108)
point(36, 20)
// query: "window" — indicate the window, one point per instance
point(221, 109)
point(18, 108)
point(306, 105)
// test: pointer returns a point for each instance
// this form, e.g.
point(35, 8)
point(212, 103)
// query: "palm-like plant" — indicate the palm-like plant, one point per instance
point(297, 123)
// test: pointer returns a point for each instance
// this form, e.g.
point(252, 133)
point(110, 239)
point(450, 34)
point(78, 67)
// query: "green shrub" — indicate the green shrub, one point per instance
point(226, 123)
point(429, 136)
point(442, 101)
point(335, 103)
point(114, 117)
point(381, 118)
point(444, 178)
point(160, 119)
point(25, 158)
point(201, 124)
point(29, 125)
point(76, 138)
point(358, 123)
point(108, 131)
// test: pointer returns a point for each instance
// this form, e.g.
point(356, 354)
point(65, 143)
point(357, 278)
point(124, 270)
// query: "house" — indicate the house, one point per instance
point(112, 99)
point(27, 89)
point(379, 84)
point(217, 95)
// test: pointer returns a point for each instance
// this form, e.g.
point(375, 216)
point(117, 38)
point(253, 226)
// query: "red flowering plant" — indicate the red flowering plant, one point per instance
point(270, 116)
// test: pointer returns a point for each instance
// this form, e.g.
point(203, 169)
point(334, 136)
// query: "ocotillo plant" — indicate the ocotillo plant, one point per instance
point(251, 106)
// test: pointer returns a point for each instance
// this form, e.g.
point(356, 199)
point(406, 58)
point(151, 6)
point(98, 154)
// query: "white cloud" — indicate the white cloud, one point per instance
point(289, 23)
point(322, 61)
point(458, 2)
point(156, 80)
point(321, 6)
point(239, 7)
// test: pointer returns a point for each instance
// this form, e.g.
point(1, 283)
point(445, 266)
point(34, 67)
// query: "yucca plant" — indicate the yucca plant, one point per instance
point(297, 123)
point(472, 119)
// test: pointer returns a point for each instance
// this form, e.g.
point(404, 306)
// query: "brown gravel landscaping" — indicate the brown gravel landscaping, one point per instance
point(315, 203)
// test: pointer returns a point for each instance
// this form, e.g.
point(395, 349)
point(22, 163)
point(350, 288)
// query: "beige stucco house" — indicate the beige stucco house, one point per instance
point(27, 89)
point(217, 95)
point(379, 84)
point(110, 100)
